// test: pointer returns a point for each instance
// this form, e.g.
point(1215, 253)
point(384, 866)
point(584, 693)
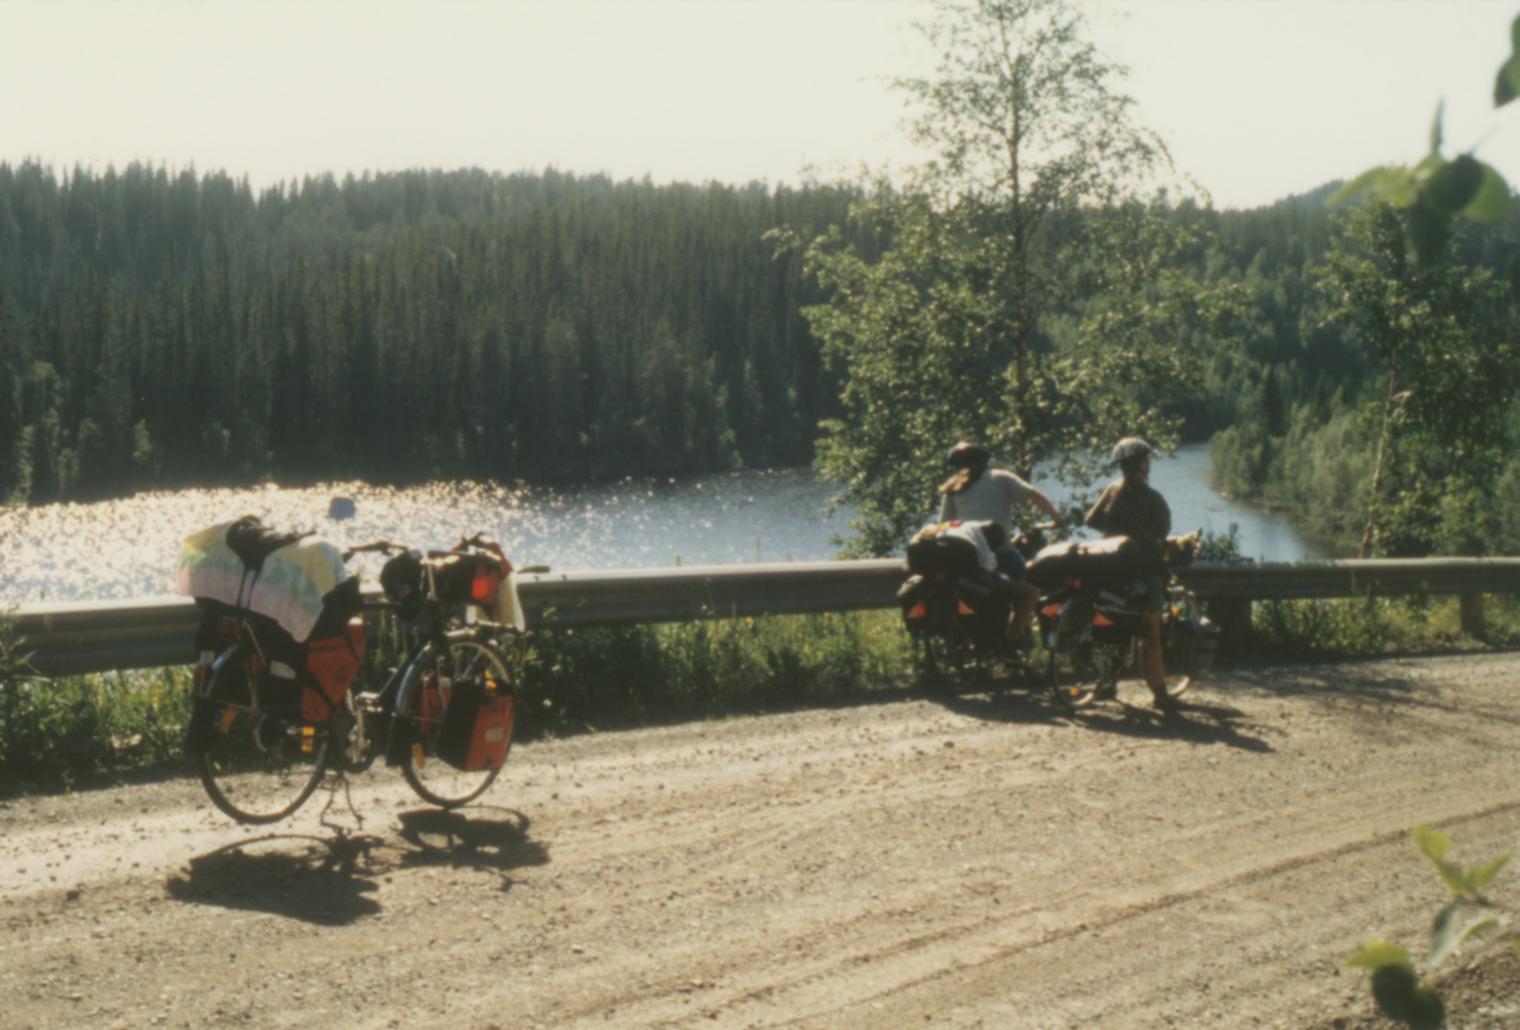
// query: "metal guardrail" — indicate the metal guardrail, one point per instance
point(153, 632)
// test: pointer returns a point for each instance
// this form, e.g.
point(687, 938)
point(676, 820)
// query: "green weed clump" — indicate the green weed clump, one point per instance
point(74, 730)
point(1361, 627)
point(57, 732)
point(576, 680)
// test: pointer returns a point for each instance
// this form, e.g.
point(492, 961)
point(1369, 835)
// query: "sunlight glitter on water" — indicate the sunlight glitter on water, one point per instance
point(128, 548)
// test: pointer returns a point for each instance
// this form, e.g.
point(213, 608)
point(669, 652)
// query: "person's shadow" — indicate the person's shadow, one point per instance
point(330, 880)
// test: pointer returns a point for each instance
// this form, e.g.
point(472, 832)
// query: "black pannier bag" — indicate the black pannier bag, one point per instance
point(401, 579)
point(932, 554)
point(1112, 559)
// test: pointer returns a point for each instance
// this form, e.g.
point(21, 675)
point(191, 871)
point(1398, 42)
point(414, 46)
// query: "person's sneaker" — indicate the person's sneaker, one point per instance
point(1166, 696)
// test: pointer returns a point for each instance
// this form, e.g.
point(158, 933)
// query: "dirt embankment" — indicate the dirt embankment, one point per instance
point(960, 861)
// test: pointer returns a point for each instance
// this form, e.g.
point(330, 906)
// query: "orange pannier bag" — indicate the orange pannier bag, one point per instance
point(331, 665)
point(477, 727)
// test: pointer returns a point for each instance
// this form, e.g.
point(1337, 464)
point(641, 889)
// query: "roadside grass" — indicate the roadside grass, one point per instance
point(584, 680)
point(1368, 627)
point(83, 730)
point(75, 731)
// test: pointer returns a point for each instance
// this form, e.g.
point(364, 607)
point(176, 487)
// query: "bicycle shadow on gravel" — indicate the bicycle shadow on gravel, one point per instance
point(1191, 721)
point(331, 880)
point(1017, 705)
point(325, 881)
point(485, 838)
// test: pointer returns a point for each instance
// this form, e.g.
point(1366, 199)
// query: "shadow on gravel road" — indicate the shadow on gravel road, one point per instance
point(1193, 722)
point(484, 838)
point(1341, 681)
point(329, 880)
point(318, 882)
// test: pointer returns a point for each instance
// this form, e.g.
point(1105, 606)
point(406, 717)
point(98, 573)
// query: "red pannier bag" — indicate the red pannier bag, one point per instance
point(331, 665)
point(477, 727)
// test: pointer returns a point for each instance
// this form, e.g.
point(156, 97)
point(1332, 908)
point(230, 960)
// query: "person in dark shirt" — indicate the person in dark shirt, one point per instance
point(1131, 507)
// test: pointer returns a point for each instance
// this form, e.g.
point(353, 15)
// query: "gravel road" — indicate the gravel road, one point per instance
point(963, 861)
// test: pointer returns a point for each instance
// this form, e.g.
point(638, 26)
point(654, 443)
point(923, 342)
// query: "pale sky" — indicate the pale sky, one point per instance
point(1257, 98)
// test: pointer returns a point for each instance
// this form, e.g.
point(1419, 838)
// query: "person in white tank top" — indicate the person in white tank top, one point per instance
point(977, 493)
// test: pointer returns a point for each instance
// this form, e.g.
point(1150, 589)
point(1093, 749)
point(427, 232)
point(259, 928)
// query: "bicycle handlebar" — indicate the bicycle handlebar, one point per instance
point(477, 541)
point(377, 547)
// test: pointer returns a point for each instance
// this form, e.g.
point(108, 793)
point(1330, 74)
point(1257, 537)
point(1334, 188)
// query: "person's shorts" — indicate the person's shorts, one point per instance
point(1154, 601)
point(1010, 562)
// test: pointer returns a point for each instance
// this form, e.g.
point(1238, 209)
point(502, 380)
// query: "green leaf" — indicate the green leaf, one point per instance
point(1391, 183)
point(1454, 924)
point(1514, 35)
point(1507, 82)
point(1483, 875)
point(1400, 996)
point(1378, 954)
point(1436, 845)
point(1492, 200)
point(1453, 185)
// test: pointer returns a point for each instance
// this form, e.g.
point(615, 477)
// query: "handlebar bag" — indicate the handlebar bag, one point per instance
point(468, 579)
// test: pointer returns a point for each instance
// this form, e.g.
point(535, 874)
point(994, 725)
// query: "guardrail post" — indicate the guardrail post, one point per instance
point(1471, 608)
point(1233, 617)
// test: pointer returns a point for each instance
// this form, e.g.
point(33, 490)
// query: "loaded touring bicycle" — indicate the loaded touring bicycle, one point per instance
point(288, 688)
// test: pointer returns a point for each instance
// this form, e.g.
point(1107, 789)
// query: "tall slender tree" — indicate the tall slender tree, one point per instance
point(943, 291)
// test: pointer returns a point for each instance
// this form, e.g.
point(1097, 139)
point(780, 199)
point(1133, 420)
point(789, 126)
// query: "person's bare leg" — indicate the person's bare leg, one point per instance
point(1024, 598)
point(1151, 662)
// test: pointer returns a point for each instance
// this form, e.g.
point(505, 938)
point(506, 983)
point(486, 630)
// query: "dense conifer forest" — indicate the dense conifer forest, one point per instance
point(161, 329)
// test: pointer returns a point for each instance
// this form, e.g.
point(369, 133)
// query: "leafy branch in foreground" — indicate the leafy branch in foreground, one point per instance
point(1395, 986)
point(1433, 192)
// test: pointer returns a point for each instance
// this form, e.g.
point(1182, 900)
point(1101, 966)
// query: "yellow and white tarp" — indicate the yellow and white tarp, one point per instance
point(289, 589)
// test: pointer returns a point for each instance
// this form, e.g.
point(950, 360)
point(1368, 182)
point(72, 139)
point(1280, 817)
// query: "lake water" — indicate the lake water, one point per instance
point(128, 548)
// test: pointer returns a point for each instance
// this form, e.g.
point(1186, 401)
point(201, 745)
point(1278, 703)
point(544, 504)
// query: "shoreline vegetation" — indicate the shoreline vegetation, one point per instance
point(74, 732)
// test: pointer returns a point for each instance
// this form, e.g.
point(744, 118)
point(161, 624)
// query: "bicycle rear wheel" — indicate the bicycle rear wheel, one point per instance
point(257, 759)
point(426, 695)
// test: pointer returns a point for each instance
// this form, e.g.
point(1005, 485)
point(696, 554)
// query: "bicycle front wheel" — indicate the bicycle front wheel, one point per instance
point(258, 760)
point(427, 694)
